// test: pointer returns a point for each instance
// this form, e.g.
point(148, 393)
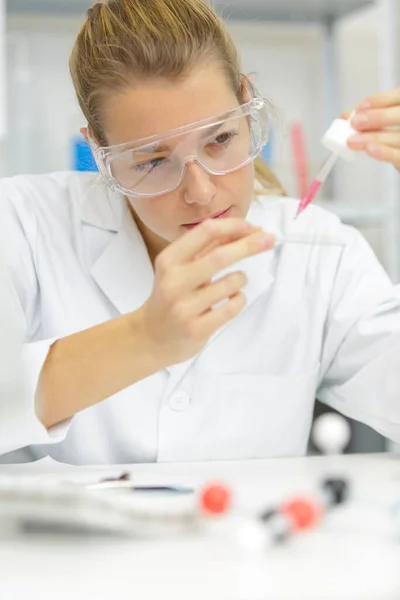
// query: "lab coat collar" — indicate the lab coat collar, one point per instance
point(123, 271)
point(102, 208)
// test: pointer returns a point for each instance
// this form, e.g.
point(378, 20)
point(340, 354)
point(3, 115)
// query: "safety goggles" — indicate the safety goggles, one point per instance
point(156, 165)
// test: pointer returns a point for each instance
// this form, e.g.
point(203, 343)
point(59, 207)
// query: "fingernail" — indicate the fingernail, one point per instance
point(266, 240)
point(374, 149)
point(364, 105)
point(357, 140)
point(359, 120)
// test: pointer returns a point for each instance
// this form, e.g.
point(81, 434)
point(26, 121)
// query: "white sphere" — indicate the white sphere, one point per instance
point(251, 536)
point(331, 433)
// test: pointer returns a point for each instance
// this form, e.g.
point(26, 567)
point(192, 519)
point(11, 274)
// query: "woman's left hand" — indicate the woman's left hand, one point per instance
point(377, 122)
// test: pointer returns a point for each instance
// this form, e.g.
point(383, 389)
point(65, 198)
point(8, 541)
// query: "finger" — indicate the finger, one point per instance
point(381, 100)
point(205, 298)
point(194, 241)
point(182, 279)
point(372, 120)
point(202, 270)
point(215, 319)
point(215, 243)
point(386, 138)
point(345, 115)
point(385, 154)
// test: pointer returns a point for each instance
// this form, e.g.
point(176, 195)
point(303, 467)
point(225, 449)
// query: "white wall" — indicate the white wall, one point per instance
point(287, 60)
point(3, 108)
point(43, 112)
point(289, 63)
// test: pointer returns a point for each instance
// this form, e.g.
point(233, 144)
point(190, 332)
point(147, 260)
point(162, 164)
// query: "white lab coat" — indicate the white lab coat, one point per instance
point(319, 322)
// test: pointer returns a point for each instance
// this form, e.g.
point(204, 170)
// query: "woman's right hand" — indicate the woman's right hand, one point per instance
point(178, 319)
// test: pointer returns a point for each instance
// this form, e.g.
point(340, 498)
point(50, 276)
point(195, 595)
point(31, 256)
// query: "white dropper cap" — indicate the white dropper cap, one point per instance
point(331, 433)
point(335, 139)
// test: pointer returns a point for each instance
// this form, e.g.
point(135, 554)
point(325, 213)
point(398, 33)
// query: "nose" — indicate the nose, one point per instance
point(197, 185)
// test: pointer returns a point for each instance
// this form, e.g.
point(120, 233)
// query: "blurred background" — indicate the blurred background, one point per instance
point(312, 58)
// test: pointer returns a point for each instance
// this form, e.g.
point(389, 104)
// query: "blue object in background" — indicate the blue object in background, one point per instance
point(267, 152)
point(82, 156)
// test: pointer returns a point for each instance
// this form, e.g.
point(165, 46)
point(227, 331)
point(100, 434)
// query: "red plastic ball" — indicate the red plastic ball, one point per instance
point(215, 499)
point(303, 513)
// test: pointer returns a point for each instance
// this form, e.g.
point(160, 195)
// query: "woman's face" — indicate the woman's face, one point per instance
point(158, 106)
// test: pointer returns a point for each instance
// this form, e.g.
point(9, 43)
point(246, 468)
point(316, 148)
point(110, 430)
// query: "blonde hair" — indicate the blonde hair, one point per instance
point(122, 42)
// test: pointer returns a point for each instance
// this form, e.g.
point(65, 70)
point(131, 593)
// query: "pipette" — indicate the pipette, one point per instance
point(335, 139)
point(317, 183)
point(309, 239)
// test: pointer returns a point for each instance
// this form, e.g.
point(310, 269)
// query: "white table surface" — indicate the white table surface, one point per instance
point(354, 554)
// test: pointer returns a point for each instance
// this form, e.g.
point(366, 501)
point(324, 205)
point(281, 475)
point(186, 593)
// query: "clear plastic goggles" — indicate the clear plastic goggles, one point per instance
point(156, 165)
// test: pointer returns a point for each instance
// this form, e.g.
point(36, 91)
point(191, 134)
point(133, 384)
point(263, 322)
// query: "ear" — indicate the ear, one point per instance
point(89, 136)
point(246, 87)
point(84, 131)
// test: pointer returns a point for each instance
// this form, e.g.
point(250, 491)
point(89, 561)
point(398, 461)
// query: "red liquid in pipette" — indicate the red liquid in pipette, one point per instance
point(312, 192)
point(316, 184)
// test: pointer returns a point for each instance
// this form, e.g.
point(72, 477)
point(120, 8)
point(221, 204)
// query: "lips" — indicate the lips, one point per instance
point(222, 214)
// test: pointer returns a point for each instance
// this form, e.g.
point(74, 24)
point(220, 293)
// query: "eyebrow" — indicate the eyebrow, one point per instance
point(156, 149)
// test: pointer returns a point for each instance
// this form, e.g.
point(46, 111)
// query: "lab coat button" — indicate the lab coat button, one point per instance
point(179, 401)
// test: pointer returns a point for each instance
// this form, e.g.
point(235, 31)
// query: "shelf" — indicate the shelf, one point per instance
point(280, 10)
point(290, 10)
point(48, 7)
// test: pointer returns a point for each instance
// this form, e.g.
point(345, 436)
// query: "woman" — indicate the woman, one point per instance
point(156, 329)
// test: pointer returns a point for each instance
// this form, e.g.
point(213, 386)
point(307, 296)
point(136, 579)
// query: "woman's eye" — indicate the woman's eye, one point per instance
point(223, 139)
point(149, 165)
